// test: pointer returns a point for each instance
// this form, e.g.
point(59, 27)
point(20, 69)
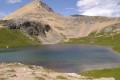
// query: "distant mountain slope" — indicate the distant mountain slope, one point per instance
point(108, 36)
point(111, 29)
point(62, 28)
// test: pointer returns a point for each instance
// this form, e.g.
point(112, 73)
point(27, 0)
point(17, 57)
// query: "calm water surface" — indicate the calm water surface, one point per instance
point(68, 58)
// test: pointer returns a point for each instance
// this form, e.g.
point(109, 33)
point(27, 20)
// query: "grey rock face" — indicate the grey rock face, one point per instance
point(44, 5)
point(30, 27)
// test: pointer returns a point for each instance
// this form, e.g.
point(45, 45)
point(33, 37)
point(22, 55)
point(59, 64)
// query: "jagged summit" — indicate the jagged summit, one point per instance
point(40, 4)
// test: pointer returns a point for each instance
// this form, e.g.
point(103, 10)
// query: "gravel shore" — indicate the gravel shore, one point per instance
point(17, 71)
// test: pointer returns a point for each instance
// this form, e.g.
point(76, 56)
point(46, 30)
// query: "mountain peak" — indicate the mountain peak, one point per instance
point(36, 6)
point(39, 4)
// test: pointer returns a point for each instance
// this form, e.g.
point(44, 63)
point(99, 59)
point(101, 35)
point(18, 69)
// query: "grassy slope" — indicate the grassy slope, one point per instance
point(14, 38)
point(103, 73)
point(113, 41)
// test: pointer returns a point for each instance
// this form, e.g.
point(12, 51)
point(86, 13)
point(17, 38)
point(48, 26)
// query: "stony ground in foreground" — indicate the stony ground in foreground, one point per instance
point(16, 71)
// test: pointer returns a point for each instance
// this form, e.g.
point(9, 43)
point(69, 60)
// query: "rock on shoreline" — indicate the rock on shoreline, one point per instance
point(17, 71)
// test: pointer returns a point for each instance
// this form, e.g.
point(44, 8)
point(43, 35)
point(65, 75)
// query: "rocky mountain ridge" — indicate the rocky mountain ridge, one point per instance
point(62, 27)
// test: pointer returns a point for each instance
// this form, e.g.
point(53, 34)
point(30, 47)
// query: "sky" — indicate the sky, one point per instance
point(110, 8)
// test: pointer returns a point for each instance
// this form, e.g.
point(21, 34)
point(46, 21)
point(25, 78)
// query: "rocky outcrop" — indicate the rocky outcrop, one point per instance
point(30, 27)
point(114, 28)
point(110, 30)
point(2, 22)
point(44, 5)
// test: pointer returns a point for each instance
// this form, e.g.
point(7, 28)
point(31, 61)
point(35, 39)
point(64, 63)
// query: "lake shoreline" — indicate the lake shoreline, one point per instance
point(18, 71)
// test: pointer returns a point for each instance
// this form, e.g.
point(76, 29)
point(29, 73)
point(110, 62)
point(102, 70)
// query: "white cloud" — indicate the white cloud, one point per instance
point(14, 1)
point(110, 8)
point(2, 14)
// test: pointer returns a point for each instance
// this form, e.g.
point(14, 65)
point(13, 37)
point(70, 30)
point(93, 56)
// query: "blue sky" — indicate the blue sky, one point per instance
point(64, 7)
point(110, 8)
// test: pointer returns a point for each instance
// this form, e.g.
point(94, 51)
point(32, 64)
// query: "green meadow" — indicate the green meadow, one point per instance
point(103, 73)
point(113, 41)
point(14, 38)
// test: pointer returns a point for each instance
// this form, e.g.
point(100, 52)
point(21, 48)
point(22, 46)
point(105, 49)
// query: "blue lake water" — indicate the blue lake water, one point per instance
point(68, 58)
